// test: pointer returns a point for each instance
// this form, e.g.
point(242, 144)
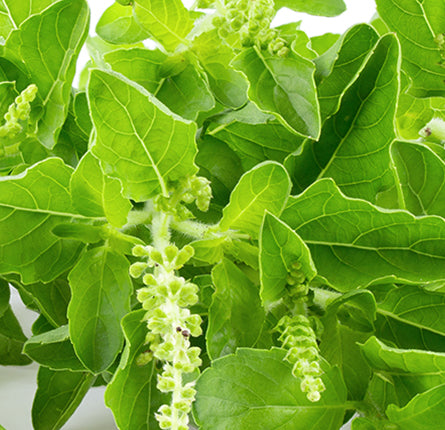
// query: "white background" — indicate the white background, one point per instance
point(17, 384)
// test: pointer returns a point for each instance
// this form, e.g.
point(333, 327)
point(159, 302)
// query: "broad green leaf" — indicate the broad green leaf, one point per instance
point(51, 299)
point(101, 290)
point(424, 412)
point(348, 320)
point(354, 145)
point(410, 371)
point(254, 136)
point(186, 93)
point(132, 395)
point(5, 294)
point(6, 23)
point(11, 340)
point(81, 113)
point(58, 395)
point(140, 65)
point(168, 22)
point(280, 247)
point(229, 86)
point(245, 391)
point(411, 317)
point(207, 251)
point(419, 26)
point(117, 25)
point(314, 7)
point(266, 186)
point(381, 393)
point(96, 195)
point(53, 349)
point(320, 44)
point(355, 244)
point(20, 11)
point(235, 315)
point(422, 178)
point(284, 87)
point(86, 233)
point(31, 204)
point(48, 44)
point(356, 45)
point(137, 139)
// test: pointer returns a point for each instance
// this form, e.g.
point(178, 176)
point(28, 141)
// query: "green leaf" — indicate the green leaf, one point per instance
point(51, 298)
point(410, 371)
point(410, 317)
point(356, 46)
point(186, 93)
point(354, 145)
point(422, 177)
point(419, 26)
point(314, 7)
point(20, 11)
point(31, 204)
point(423, 412)
point(117, 25)
point(96, 195)
point(84, 232)
point(48, 44)
point(235, 315)
point(53, 349)
point(284, 87)
point(137, 139)
point(140, 65)
point(347, 321)
point(5, 294)
point(167, 22)
point(229, 86)
point(355, 244)
point(132, 395)
point(266, 186)
point(11, 340)
point(245, 390)
point(101, 290)
point(58, 395)
point(280, 247)
point(254, 140)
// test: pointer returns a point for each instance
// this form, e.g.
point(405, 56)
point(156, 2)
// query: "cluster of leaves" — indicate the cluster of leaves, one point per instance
point(327, 215)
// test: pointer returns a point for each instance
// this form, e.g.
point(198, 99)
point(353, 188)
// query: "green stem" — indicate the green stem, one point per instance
point(160, 230)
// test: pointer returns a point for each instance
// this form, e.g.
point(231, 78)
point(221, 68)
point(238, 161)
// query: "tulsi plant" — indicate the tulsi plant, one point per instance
point(241, 228)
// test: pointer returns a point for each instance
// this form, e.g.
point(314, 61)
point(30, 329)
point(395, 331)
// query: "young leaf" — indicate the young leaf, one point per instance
point(422, 178)
point(229, 86)
point(186, 93)
point(419, 26)
point(167, 22)
point(11, 340)
point(423, 412)
point(245, 390)
point(54, 350)
point(254, 140)
point(58, 395)
point(96, 195)
point(140, 65)
point(284, 87)
point(19, 12)
point(50, 57)
point(410, 371)
point(354, 145)
point(356, 45)
point(118, 25)
point(280, 247)
point(31, 204)
point(314, 7)
point(101, 289)
point(131, 127)
point(132, 395)
point(355, 244)
point(235, 315)
point(410, 317)
point(266, 186)
point(51, 298)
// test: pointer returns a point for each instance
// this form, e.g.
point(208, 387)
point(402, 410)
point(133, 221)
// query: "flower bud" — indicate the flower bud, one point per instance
point(137, 269)
point(144, 358)
point(184, 255)
point(149, 279)
point(156, 256)
point(140, 251)
point(171, 251)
